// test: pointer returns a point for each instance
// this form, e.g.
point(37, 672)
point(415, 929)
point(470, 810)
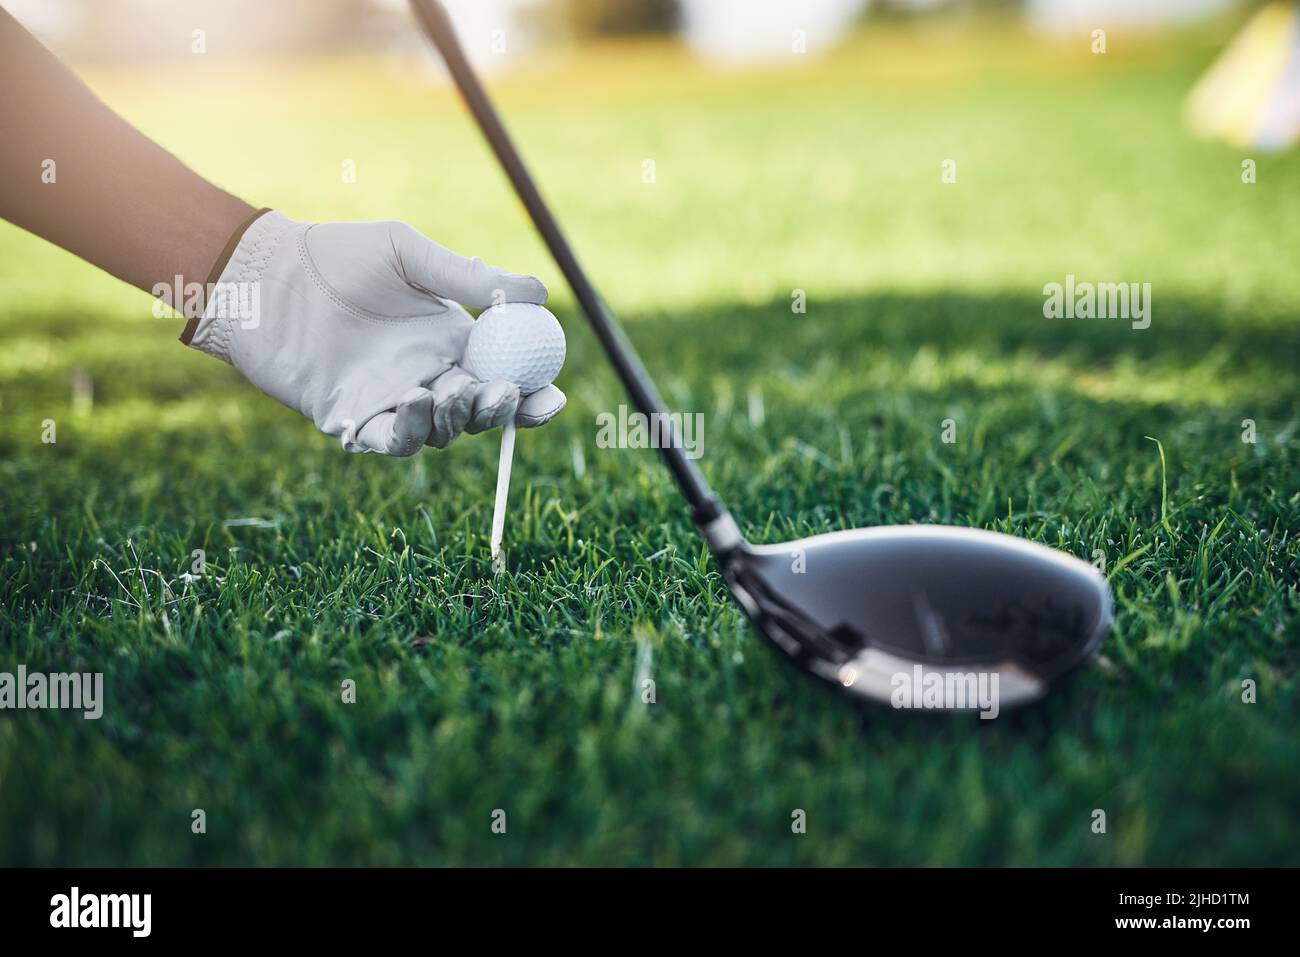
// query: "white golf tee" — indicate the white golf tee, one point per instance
point(503, 487)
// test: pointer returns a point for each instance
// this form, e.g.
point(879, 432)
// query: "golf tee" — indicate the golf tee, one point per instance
point(503, 486)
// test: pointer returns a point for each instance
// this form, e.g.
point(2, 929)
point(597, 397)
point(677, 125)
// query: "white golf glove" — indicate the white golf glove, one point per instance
point(357, 326)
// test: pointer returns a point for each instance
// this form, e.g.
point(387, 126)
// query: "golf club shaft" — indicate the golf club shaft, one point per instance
point(704, 503)
point(503, 486)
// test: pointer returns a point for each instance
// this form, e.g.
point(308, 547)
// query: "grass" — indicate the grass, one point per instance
point(522, 692)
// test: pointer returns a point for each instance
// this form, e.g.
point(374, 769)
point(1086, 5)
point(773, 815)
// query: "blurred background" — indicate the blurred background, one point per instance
point(726, 29)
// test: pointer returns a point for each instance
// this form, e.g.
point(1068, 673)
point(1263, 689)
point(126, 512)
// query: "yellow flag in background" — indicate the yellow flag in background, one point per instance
point(1250, 96)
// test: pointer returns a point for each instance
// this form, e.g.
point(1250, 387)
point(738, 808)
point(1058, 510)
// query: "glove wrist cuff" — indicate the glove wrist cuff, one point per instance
point(231, 290)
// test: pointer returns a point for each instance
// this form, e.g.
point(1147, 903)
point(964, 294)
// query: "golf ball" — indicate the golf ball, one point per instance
point(516, 341)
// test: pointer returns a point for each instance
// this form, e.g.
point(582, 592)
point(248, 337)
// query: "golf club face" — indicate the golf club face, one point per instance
point(874, 609)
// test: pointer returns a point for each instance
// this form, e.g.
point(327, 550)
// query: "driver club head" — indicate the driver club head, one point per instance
point(895, 614)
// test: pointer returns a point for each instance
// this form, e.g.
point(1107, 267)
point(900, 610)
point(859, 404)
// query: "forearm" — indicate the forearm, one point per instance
point(111, 196)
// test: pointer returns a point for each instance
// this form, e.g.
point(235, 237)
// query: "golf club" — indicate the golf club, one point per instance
point(911, 615)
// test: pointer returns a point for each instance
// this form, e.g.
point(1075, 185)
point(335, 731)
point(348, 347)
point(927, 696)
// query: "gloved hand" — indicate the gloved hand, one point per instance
point(357, 326)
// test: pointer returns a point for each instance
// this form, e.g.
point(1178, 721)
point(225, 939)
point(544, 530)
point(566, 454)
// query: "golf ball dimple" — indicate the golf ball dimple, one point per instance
point(516, 341)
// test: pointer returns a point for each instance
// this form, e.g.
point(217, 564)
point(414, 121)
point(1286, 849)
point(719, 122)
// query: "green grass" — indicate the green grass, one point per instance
point(521, 691)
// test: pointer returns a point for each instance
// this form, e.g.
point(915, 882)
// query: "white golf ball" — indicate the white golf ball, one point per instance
point(516, 341)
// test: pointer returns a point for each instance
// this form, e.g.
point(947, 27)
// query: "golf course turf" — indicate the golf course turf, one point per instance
point(703, 203)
